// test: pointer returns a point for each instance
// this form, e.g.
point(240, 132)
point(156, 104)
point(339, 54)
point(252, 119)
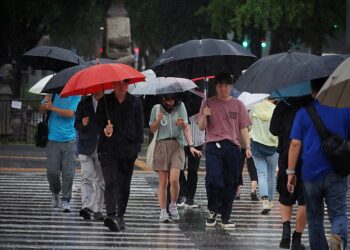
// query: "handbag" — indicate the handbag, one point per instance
point(336, 149)
point(152, 145)
point(42, 131)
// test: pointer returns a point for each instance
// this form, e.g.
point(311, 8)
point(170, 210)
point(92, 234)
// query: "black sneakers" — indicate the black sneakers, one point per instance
point(211, 220)
point(191, 204)
point(253, 196)
point(228, 224)
point(98, 216)
point(85, 213)
point(111, 223)
point(121, 223)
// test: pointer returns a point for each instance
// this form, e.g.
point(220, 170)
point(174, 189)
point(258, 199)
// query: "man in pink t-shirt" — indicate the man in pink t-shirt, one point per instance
point(224, 118)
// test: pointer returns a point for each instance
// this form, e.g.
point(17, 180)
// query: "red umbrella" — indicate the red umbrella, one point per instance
point(99, 78)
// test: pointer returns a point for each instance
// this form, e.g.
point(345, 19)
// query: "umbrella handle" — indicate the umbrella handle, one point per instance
point(108, 134)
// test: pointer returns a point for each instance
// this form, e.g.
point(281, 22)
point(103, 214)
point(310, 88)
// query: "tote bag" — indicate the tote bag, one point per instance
point(152, 145)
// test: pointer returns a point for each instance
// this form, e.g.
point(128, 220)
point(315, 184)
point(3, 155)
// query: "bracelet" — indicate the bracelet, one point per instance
point(290, 171)
point(247, 148)
point(192, 145)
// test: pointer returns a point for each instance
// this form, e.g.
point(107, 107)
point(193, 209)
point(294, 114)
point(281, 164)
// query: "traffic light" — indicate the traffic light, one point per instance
point(245, 43)
point(263, 43)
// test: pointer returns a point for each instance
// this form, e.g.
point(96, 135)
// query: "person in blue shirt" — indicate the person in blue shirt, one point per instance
point(320, 181)
point(61, 147)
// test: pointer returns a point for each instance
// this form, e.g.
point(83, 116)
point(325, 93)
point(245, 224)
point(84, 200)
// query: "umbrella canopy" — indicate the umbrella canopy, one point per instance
point(198, 58)
point(250, 99)
point(163, 85)
point(336, 91)
point(37, 87)
point(281, 70)
point(51, 58)
point(100, 77)
point(57, 82)
point(295, 90)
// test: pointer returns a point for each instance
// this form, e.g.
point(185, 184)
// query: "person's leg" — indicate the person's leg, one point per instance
point(336, 188)
point(192, 174)
point(315, 211)
point(286, 216)
point(53, 153)
point(253, 179)
point(87, 185)
point(261, 169)
point(231, 172)
point(174, 184)
point(109, 167)
point(99, 185)
point(162, 187)
point(183, 189)
point(124, 175)
point(272, 162)
point(68, 168)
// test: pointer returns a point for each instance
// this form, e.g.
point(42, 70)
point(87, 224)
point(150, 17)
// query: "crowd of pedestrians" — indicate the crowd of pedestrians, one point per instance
point(108, 132)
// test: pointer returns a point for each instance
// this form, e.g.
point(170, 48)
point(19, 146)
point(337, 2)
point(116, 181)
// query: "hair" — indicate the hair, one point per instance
point(223, 78)
point(168, 96)
point(316, 84)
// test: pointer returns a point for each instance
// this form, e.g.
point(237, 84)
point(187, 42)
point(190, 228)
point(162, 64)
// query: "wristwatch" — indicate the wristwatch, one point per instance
point(192, 145)
point(290, 171)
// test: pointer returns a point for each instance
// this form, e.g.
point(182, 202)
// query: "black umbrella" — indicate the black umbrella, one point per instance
point(284, 69)
point(57, 82)
point(51, 58)
point(200, 58)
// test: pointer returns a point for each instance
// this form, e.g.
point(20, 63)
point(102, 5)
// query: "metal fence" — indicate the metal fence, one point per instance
point(18, 121)
point(18, 124)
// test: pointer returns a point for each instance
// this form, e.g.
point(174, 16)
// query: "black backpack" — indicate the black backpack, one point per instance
point(335, 148)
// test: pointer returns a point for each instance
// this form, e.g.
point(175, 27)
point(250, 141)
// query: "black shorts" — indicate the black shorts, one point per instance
point(285, 197)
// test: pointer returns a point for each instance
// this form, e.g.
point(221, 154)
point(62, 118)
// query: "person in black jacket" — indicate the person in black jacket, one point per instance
point(120, 125)
point(281, 125)
point(92, 199)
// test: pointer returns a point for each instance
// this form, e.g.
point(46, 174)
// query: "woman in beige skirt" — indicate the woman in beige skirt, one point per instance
point(169, 157)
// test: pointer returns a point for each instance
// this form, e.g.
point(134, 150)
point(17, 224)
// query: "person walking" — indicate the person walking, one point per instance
point(171, 122)
point(188, 186)
point(61, 147)
point(120, 124)
point(281, 125)
point(265, 156)
point(321, 183)
point(92, 182)
point(225, 119)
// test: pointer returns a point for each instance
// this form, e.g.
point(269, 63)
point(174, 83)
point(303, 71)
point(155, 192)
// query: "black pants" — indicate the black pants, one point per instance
point(251, 168)
point(117, 174)
point(188, 187)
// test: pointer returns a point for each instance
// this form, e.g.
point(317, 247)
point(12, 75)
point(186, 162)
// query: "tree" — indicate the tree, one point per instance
point(70, 24)
point(160, 24)
point(310, 21)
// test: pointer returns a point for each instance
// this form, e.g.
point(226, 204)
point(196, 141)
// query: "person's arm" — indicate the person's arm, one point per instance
point(246, 140)
point(78, 123)
point(139, 122)
point(155, 125)
point(202, 122)
point(187, 133)
point(293, 156)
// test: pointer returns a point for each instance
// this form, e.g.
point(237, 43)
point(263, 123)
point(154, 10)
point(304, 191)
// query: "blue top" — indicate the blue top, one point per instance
point(61, 129)
point(315, 165)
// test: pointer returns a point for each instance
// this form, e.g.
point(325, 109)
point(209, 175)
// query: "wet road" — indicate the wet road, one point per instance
point(28, 222)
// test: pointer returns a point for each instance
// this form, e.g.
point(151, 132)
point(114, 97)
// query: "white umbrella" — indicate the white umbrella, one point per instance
point(250, 100)
point(37, 87)
point(162, 85)
point(336, 91)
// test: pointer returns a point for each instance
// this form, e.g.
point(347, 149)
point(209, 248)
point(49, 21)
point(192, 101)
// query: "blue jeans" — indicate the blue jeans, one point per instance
point(333, 189)
point(266, 170)
point(222, 176)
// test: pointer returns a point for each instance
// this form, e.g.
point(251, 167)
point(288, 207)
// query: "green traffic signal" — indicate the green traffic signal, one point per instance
point(263, 44)
point(245, 44)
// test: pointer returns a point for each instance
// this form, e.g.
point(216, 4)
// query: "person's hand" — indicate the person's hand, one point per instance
point(108, 129)
point(47, 105)
point(85, 121)
point(195, 152)
point(206, 111)
point(248, 153)
point(292, 181)
point(160, 116)
point(180, 122)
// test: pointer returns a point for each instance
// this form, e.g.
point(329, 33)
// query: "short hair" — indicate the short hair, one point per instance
point(316, 84)
point(223, 78)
